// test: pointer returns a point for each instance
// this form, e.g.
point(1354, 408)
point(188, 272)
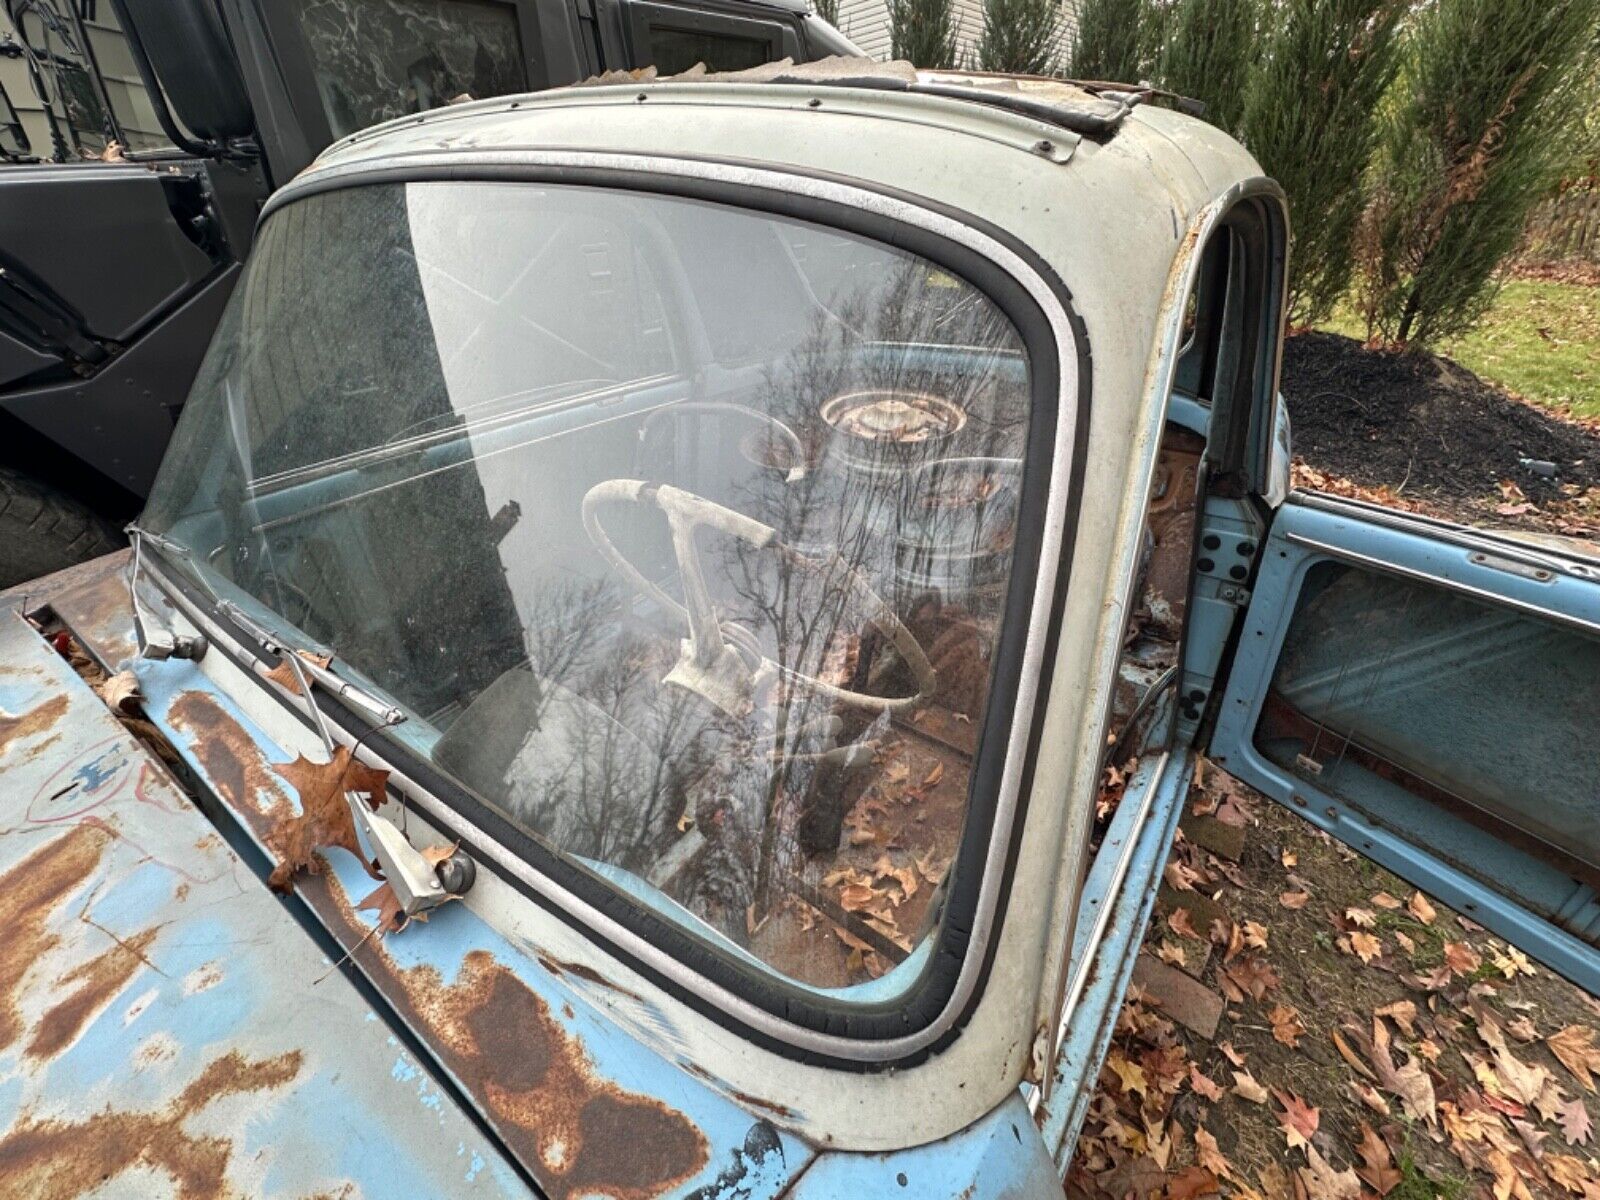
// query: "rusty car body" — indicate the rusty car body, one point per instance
point(772, 547)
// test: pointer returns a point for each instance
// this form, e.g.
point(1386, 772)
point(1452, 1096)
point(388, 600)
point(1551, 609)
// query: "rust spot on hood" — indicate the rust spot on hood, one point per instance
point(233, 763)
point(578, 1134)
point(38, 719)
point(56, 1158)
point(99, 981)
point(29, 894)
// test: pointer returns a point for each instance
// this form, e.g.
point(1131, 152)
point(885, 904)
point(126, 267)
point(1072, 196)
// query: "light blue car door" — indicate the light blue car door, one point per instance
point(1430, 695)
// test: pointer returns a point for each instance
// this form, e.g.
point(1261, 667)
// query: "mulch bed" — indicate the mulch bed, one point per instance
point(1426, 426)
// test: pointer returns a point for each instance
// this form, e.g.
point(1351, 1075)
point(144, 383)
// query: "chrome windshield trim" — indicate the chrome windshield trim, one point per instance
point(883, 1050)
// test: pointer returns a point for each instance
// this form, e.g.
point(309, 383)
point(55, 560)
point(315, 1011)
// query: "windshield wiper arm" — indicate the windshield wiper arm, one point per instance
point(154, 639)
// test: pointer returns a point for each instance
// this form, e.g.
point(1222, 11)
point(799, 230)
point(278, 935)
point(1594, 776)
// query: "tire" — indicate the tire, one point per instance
point(43, 530)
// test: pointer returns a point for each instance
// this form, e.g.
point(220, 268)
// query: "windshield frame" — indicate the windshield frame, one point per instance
point(782, 1015)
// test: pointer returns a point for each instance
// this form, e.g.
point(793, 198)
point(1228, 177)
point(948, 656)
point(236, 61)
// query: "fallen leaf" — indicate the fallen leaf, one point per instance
point(324, 818)
point(1295, 900)
point(1377, 1168)
point(1419, 908)
point(1298, 1119)
point(1410, 1083)
point(1207, 1155)
point(1130, 1074)
point(1508, 1183)
point(1181, 877)
point(1286, 1026)
point(121, 693)
point(1255, 935)
point(1204, 1085)
point(1402, 1013)
point(1171, 953)
point(1567, 1171)
point(1531, 1137)
point(1574, 1047)
point(1362, 918)
point(1192, 1182)
point(283, 674)
point(1252, 975)
point(1406, 944)
point(1246, 1087)
point(856, 896)
point(1368, 1096)
point(1573, 1118)
point(1289, 859)
point(1351, 1057)
point(391, 917)
point(1322, 1182)
point(1386, 901)
point(1365, 946)
point(1178, 921)
point(1461, 958)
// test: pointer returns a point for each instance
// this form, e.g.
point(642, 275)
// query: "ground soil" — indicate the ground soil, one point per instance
point(1426, 427)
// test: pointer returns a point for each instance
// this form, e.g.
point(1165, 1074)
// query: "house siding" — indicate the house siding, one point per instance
point(866, 23)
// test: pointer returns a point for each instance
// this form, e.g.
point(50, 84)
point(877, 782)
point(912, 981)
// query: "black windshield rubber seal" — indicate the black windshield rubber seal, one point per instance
point(927, 999)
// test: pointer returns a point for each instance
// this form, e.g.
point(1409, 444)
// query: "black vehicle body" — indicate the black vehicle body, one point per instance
point(122, 229)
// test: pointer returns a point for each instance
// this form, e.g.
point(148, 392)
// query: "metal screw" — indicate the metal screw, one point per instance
point(1044, 146)
point(813, 103)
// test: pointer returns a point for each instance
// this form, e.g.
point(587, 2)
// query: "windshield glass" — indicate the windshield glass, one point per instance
point(682, 532)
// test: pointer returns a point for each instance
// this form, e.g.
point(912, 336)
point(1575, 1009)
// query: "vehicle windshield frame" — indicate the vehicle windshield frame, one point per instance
point(781, 1014)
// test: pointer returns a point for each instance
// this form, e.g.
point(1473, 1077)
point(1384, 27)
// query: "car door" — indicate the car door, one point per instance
point(1430, 695)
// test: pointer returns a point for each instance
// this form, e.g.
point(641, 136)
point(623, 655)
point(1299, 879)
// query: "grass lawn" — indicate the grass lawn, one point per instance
point(1540, 340)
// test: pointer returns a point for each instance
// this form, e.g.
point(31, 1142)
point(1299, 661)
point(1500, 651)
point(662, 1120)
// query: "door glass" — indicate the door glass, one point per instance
point(675, 50)
point(1387, 682)
point(379, 59)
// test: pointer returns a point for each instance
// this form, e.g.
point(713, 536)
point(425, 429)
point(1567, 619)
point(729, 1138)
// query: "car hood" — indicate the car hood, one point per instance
point(162, 1017)
point(159, 1006)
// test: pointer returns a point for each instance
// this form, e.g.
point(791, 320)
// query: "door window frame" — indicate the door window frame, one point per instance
point(644, 17)
point(1313, 528)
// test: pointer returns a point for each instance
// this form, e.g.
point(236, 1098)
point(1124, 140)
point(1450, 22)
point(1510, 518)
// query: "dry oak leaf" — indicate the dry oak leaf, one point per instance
point(121, 693)
point(1171, 953)
point(1204, 1085)
point(324, 818)
point(1191, 1183)
point(1286, 1026)
point(391, 917)
point(1461, 958)
point(1365, 947)
point(1298, 1119)
point(1246, 1087)
point(1402, 1013)
point(1508, 1182)
point(1295, 900)
point(1178, 921)
point(283, 674)
point(1567, 1171)
point(1419, 908)
point(1207, 1154)
point(1573, 1118)
point(1410, 1082)
point(1129, 1074)
point(1322, 1182)
point(1575, 1047)
point(1377, 1169)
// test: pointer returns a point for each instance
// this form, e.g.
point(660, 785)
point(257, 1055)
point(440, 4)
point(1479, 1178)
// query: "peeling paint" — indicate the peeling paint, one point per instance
point(36, 720)
point(30, 892)
point(53, 1159)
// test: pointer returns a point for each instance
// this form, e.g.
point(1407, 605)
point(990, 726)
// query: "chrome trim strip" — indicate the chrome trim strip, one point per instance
point(1499, 599)
point(894, 208)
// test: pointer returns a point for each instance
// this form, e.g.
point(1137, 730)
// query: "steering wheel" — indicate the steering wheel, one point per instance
point(708, 665)
point(795, 465)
